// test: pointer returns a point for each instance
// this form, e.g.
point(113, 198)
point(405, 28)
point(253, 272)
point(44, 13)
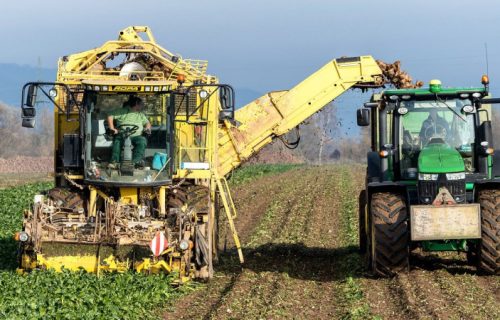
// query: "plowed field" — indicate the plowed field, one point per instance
point(299, 230)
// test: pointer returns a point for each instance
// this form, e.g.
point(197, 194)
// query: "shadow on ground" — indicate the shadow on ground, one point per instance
point(456, 264)
point(8, 254)
point(326, 264)
point(298, 261)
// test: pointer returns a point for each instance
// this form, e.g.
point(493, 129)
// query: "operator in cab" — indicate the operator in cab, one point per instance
point(131, 117)
point(433, 126)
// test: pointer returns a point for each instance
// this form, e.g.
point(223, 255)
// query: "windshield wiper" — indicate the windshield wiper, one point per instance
point(453, 110)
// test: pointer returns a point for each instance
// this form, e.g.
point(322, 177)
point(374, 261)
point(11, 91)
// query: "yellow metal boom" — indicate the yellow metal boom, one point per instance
point(276, 113)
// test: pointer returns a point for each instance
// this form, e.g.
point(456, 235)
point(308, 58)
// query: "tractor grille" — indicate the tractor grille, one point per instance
point(427, 190)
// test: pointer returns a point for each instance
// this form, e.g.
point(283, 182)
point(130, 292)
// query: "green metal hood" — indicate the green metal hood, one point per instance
point(440, 158)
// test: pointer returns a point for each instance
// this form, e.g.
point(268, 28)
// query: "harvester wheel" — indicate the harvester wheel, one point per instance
point(389, 234)
point(489, 248)
point(195, 200)
point(361, 220)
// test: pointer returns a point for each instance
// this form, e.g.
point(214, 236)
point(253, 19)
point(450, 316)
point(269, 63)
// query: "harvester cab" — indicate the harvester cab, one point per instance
point(110, 158)
point(432, 177)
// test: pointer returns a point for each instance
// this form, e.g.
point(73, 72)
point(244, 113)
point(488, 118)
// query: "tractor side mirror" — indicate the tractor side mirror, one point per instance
point(28, 111)
point(28, 123)
point(31, 96)
point(226, 96)
point(28, 117)
point(486, 132)
point(363, 117)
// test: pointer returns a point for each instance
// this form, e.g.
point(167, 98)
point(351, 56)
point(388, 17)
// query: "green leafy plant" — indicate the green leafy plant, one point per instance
point(70, 295)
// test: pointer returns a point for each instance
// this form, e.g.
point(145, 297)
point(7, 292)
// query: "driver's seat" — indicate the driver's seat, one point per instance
point(100, 134)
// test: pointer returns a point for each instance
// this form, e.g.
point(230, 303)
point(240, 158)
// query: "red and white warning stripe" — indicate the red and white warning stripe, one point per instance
point(158, 244)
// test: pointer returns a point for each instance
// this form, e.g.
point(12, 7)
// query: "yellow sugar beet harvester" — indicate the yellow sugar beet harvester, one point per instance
point(103, 218)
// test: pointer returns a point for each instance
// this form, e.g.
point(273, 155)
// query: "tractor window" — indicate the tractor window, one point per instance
point(132, 154)
point(433, 121)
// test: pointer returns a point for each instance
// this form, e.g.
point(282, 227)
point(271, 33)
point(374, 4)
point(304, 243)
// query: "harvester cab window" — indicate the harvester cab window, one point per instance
point(132, 154)
point(428, 122)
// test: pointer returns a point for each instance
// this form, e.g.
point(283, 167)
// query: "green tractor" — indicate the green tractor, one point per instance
point(433, 179)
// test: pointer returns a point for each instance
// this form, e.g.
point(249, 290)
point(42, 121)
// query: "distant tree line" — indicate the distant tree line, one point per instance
point(18, 141)
point(322, 140)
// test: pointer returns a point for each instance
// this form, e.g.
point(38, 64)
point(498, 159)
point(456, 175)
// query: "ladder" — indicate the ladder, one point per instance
point(230, 210)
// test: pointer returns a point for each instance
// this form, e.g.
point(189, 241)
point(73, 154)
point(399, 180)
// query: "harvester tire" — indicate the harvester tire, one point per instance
point(66, 198)
point(489, 247)
point(389, 234)
point(362, 203)
point(196, 199)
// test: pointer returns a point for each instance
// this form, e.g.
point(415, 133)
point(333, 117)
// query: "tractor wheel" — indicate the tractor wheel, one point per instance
point(361, 220)
point(389, 234)
point(489, 248)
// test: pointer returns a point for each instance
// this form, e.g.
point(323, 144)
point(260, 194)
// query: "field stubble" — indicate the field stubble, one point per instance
point(299, 230)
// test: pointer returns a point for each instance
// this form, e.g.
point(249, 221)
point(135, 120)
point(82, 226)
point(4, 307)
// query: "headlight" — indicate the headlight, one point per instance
point(403, 111)
point(203, 94)
point(455, 176)
point(53, 92)
point(184, 245)
point(428, 176)
point(21, 236)
point(468, 109)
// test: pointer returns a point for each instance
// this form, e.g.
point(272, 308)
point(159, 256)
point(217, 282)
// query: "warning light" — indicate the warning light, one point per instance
point(434, 86)
point(485, 80)
point(181, 78)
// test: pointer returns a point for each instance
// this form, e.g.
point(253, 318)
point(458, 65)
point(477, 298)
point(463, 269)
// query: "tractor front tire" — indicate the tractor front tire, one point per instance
point(489, 247)
point(390, 250)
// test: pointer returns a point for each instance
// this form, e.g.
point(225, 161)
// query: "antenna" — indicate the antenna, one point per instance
point(39, 69)
point(486, 55)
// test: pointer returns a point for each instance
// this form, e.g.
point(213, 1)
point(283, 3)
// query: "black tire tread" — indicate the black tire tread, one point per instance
point(489, 248)
point(389, 216)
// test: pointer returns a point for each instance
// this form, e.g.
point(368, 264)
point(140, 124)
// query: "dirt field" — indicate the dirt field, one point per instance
point(27, 164)
point(299, 230)
point(21, 170)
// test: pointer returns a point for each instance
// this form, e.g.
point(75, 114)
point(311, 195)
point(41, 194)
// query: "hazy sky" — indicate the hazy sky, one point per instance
point(270, 45)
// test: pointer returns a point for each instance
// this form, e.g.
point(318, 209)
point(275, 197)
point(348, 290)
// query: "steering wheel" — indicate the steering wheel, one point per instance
point(128, 129)
point(435, 130)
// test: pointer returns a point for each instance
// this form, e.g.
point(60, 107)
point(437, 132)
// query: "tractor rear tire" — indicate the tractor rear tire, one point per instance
point(489, 247)
point(362, 203)
point(390, 250)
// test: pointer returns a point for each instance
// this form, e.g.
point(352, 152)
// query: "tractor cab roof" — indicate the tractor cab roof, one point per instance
point(427, 92)
point(430, 92)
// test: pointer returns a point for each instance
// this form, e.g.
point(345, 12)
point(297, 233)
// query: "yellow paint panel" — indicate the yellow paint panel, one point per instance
point(129, 195)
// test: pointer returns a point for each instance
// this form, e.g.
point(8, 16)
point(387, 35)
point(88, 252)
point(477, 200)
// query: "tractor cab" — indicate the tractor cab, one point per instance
point(421, 133)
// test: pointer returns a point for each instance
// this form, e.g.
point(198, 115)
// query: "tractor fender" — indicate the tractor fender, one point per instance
point(387, 186)
point(485, 184)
